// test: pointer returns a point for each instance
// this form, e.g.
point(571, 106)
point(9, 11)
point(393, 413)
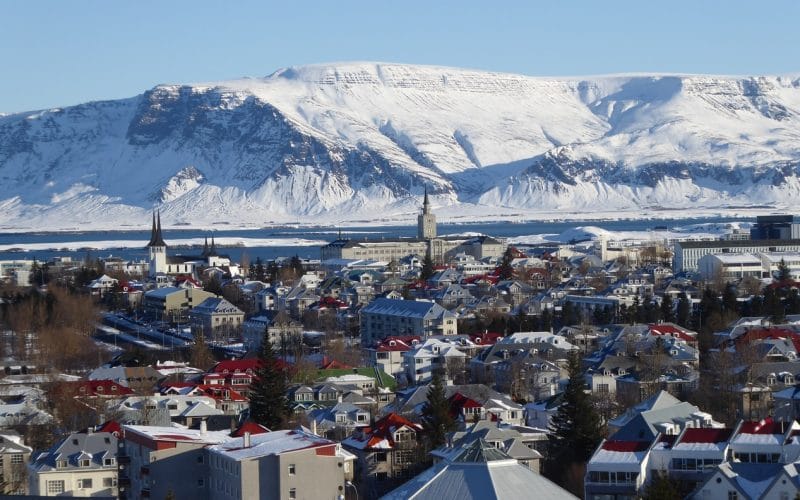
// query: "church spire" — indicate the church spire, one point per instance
point(213, 250)
point(157, 240)
point(205, 248)
point(152, 231)
point(426, 204)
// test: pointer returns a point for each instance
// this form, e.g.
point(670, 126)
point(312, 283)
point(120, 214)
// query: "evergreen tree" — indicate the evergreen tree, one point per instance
point(505, 271)
point(668, 308)
point(427, 267)
point(436, 413)
point(783, 272)
point(661, 488)
point(200, 355)
point(212, 285)
point(546, 320)
point(268, 403)
point(729, 303)
point(575, 429)
point(773, 306)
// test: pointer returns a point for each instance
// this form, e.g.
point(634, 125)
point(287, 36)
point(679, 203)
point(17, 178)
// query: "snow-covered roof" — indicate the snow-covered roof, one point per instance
point(274, 443)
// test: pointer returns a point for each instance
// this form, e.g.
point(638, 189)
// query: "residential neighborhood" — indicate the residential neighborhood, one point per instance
point(391, 378)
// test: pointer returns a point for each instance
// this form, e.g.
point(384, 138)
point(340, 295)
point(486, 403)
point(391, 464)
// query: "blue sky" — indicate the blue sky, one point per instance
point(57, 53)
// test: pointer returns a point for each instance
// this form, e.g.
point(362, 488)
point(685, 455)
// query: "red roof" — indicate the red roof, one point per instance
point(670, 330)
point(213, 391)
point(332, 364)
point(488, 338)
point(706, 435)
point(458, 402)
point(765, 333)
point(384, 429)
point(251, 427)
point(766, 426)
point(111, 426)
point(397, 343)
point(625, 446)
point(242, 365)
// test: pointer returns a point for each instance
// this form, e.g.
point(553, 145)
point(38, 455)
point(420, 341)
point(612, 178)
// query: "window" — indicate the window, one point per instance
point(733, 495)
point(200, 459)
point(55, 487)
point(85, 483)
point(109, 461)
point(292, 469)
point(292, 492)
point(85, 462)
point(380, 457)
point(109, 482)
point(201, 483)
point(16, 458)
point(602, 388)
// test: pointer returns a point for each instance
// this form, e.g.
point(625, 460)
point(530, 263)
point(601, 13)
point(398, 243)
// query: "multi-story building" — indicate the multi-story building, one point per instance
point(173, 303)
point(387, 452)
point(440, 249)
point(384, 317)
point(216, 318)
point(776, 227)
point(278, 465)
point(14, 456)
point(157, 462)
point(688, 253)
point(388, 353)
point(82, 465)
point(431, 356)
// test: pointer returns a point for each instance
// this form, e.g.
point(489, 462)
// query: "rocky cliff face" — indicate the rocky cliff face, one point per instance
point(361, 141)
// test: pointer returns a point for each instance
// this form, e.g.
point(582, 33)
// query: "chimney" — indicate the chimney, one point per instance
point(247, 439)
point(314, 427)
point(203, 428)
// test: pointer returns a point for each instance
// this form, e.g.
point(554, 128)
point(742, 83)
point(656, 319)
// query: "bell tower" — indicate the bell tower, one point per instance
point(426, 221)
point(157, 248)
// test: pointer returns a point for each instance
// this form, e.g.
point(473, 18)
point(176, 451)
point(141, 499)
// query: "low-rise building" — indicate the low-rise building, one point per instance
point(82, 465)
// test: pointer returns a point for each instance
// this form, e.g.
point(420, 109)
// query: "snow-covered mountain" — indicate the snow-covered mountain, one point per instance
point(361, 141)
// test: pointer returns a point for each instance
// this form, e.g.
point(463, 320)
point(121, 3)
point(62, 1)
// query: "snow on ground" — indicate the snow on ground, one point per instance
point(583, 233)
point(115, 244)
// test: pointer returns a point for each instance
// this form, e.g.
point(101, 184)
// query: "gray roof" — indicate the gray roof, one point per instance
point(95, 447)
point(482, 473)
point(406, 308)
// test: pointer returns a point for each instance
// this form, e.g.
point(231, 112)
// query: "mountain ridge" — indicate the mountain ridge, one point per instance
point(334, 143)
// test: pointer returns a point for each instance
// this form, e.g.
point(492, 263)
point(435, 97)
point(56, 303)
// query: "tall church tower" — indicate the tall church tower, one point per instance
point(157, 248)
point(426, 221)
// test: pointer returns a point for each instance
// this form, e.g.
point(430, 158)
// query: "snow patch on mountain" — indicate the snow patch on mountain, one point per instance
point(360, 142)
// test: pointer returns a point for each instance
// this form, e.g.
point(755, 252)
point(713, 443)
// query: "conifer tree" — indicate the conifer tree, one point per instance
point(667, 309)
point(200, 355)
point(505, 271)
point(268, 403)
point(436, 412)
point(427, 267)
point(684, 310)
point(575, 429)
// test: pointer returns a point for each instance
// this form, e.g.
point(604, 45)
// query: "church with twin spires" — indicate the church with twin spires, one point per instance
point(162, 266)
point(441, 249)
